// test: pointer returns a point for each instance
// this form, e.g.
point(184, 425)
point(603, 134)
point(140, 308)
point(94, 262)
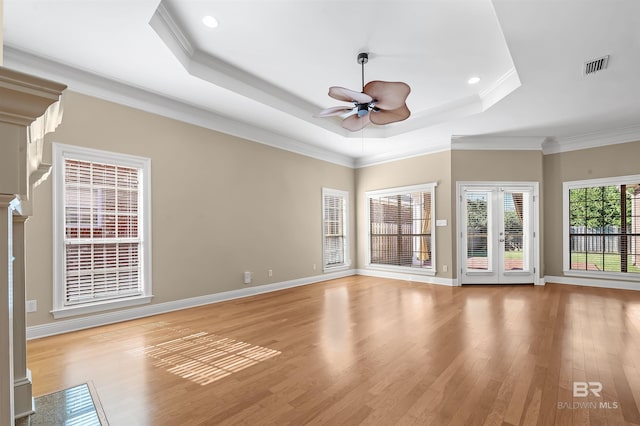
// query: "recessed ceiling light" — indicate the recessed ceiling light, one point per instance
point(473, 80)
point(210, 22)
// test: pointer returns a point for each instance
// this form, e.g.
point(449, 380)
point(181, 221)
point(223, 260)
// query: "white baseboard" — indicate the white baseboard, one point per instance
point(23, 396)
point(65, 326)
point(426, 279)
point(589, 282)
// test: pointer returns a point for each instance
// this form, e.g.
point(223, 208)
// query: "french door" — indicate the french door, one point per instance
point(497, 234)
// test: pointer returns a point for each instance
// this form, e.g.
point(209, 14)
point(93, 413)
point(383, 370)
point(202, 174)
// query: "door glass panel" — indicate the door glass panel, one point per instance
point(516, 218)
point(478, 252)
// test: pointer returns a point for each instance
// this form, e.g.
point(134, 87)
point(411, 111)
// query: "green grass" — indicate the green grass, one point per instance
point(610, 262)
point(513, 254)
point(507, 254)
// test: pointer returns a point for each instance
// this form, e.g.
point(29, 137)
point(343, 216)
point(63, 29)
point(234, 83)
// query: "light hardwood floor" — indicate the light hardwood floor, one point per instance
point(363, 350)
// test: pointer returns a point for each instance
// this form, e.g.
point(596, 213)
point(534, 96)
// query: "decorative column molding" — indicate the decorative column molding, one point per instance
point(8, 203)
point(22, 390)
point(29, 108)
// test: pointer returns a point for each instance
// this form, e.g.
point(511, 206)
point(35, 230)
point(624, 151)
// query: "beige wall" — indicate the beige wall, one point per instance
point(496, 166)
point(413, 171)
point(607, 161)
point(220, 205)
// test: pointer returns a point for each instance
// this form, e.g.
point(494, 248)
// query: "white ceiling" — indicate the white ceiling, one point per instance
point(266, 69)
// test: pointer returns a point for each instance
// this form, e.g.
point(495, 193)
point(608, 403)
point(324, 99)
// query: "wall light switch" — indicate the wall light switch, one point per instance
point(441, 222)
point(32, 306)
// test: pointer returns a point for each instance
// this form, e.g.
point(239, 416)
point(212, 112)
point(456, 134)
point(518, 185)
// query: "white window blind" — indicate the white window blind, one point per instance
point(400, 227)
point(334, 224)
point(101, 213)
point(102, 242)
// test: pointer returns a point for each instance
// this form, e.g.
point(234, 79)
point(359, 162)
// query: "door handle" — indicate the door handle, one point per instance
point(502, 240)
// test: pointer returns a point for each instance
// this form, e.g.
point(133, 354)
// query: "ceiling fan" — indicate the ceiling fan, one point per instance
point(380, 102)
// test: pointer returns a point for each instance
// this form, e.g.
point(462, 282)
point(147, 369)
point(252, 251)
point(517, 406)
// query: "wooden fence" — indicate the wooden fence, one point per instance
point(596, 240)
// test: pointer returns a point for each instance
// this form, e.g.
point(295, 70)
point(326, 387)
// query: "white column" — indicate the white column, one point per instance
point(22, 392)
point(1, 32)
point(29, 108)
point(6, 310)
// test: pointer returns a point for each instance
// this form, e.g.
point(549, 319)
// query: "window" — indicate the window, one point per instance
point(335, 216)
point(399, 222)
point(101, 236)
point(602, 227)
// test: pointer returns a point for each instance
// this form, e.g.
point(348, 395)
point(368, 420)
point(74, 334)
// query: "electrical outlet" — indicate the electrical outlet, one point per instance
point(445, 268)
point(270, 272)
point(314, 266)
point(32, 306)
point(247, 277)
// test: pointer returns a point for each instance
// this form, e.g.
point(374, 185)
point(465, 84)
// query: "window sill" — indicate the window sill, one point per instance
point(617, 276)
point(402, 270)
point(106, 305)
point(343, 267)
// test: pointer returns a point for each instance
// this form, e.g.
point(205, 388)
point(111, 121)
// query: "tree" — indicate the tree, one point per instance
point(477, 216)
point(597, 207)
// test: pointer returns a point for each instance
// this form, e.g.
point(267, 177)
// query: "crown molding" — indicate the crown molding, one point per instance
point(208, 67)
point(497, 143)
point(592, 140)
point(169, 31)
point(24, 97)
point(103, 88)
point(374, 160)
point(502, 87)
point(453, 110)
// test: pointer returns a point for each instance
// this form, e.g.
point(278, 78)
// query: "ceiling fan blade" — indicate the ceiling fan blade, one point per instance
point(354, 123)
point(348, 95)
point(330, 112)
point(384, 116)
point(389, 95)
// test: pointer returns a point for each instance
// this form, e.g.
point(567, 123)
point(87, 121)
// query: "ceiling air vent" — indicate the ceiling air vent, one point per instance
point(595, 65)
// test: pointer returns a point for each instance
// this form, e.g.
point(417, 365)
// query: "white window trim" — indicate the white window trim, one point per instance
point(60, 152)
point(347, 255)
point(393, 191)
point(566, 258)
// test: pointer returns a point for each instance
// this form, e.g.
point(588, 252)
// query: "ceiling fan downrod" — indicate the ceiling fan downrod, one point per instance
point(363, 109)
point(363, 58)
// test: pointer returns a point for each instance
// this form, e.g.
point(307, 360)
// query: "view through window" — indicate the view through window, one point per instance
point(604, 228)
point(400, 227)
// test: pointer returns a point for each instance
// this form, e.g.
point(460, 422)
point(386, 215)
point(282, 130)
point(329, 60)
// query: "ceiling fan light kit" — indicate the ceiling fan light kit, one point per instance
point(380, 102)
